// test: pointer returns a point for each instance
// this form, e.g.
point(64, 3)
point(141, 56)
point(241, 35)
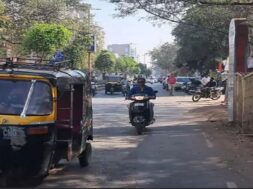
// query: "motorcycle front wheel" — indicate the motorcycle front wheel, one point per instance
point(196, 97)
point(139, 130)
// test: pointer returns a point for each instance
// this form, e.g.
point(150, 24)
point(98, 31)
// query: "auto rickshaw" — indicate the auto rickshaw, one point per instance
point(113, 84)
point(45, 116)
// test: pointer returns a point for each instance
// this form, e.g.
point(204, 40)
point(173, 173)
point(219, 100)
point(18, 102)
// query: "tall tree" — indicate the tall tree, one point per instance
point(45, 39)
point(199, 47)
point(73, 14)
point(105, 61)
point(164, 56)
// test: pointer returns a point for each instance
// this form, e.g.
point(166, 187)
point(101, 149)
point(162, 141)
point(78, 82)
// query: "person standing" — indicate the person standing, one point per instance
point(171, 81)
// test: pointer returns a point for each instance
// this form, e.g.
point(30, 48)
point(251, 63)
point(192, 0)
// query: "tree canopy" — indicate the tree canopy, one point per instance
point(45, 39)
point(105, 61)
point(201, 33)
point(164, 56)
point(74, 15)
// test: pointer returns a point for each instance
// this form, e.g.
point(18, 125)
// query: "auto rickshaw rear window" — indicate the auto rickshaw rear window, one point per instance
point(29, 97)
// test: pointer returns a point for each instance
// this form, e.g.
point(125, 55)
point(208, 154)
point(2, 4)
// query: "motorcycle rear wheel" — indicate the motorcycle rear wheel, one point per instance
point(196, 97)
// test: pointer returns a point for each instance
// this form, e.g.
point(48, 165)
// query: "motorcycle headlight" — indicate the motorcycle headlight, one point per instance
point(139, 97)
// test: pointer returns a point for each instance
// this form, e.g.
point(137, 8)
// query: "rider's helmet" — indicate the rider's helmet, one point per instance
point(141, 79)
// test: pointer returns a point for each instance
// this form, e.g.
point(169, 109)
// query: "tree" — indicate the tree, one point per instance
point(45, 39)
point(144, 70)
point(164, 56)
point(199, 47)
point(105, 61)
point(76, 52)
point(120, 65)
point(73, 14)
point(131, 66)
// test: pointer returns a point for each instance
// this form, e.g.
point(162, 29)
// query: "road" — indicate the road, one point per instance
point(174, 152)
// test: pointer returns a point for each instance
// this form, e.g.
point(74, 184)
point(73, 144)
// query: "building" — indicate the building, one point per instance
point(123, 50)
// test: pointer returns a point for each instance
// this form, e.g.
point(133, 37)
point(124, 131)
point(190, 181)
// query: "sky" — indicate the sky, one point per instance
point(130, 29)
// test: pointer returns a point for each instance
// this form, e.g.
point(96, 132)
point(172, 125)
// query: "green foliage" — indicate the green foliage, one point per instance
point(144, 70)
point(199, 45)
point(45, 39)
point(126, 64)
point(164, 56)
point(76, 52)
point(202, 30)
point(23, 14)
point(105, 61)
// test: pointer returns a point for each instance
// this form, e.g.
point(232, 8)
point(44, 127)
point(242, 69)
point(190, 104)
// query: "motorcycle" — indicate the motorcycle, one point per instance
point(214, 93)
point(140, 113)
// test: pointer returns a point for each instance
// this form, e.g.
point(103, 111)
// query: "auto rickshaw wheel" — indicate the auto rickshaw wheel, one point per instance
point(85, 156)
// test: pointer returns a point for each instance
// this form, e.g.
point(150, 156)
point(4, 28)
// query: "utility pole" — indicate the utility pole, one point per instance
point(89, 52)
point(94, 42)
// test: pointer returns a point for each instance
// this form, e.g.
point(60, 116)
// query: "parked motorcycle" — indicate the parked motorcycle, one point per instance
point(140, 113)
point(190, 88)
point(214, 93)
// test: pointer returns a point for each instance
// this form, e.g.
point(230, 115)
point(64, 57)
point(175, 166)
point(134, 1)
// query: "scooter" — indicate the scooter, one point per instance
point(140, 113)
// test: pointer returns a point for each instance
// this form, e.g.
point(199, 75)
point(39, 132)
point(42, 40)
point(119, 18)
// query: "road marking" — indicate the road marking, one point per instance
point(231, 185)
point(209, 143)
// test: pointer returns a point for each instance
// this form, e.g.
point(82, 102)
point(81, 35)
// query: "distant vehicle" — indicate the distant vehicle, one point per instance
point(151, 81)
point(113, 84)
point(181, 81)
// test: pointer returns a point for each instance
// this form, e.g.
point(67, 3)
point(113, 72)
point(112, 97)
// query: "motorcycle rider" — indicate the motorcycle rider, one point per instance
point(142, 88)
point(209, 85)
point(126, 86)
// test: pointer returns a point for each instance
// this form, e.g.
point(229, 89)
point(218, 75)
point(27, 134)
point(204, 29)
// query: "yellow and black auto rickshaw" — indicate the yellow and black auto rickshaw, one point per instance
point(45, 116)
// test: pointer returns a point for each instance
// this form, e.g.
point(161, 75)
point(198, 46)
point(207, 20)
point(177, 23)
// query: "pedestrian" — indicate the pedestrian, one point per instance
point(171, 81)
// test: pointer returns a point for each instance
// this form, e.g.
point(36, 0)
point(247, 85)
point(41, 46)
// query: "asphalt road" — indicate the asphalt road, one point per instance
point(173, 152)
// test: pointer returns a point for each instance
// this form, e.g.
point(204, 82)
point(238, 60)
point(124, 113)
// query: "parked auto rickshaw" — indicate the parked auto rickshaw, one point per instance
point(113, 84)
point(45, 116)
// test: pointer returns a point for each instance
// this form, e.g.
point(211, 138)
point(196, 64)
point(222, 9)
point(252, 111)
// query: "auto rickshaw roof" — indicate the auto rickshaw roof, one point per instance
point(59, 74)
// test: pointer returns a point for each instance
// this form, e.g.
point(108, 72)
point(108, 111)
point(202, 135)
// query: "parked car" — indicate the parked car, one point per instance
point(181, 81)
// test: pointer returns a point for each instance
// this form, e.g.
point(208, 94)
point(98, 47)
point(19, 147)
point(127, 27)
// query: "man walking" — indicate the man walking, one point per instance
point(171, 81)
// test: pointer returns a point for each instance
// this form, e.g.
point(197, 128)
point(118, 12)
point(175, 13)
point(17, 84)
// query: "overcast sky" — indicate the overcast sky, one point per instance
point(130, 29)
